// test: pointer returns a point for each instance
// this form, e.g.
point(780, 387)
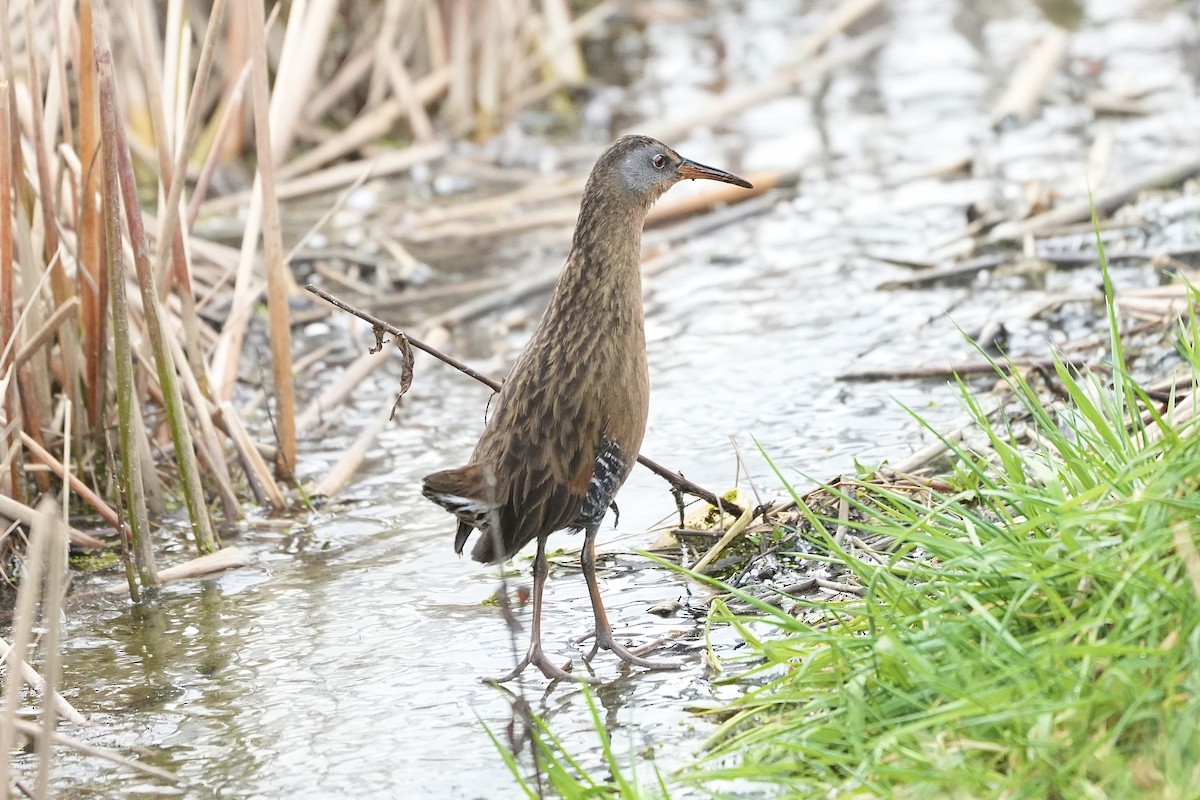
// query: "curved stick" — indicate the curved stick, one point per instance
point(678, 483)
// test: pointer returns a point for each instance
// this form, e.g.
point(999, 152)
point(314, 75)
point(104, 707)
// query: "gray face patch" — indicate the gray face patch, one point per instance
point(638, 175)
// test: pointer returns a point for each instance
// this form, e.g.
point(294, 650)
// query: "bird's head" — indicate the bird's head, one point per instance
point(644, 168)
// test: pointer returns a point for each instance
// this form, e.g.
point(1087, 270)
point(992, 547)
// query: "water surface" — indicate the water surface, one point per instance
point(346, 662)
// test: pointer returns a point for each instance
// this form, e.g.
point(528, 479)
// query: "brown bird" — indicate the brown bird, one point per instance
point(568, 422)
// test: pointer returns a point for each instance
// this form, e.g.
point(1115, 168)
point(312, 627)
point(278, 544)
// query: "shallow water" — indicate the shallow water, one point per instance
point(346, 661)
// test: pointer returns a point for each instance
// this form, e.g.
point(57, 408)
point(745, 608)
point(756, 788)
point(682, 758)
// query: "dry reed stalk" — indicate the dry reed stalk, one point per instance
point(130, 473)
point(846, 14)
point(60, 284)
point(342, 472)
point(335, 394)
point(277, 301)
point(118, 160)
point(257, 473)
point(19, 512)
point(385, 33)
point(23, 621)
point(435, 35)
point(488, 56)
point(406, 93)
point(9, 132)
point(236, 54)
point(348, 76)
point(226, 558)
point(147, 37)
point(304, 42)
point(32, 377)
point(229, 345)
point(1031, 76)
point(40, 454)
point(35, 731)
point(52, 533)
point(173, 57)
point(735, 530)
point(10, 77)
point(208, 435)
point(460, 100)
point(227, 128)
point(62, 53)
point(155, 490)
point(366, 128)
point(383, 165)
point(170, 231)
point(12, 485)
point(49, 329)
point(566, 58)
point(91, 257)
point(565, 39)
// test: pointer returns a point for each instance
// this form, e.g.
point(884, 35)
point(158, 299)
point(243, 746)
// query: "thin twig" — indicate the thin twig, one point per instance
point(981, 367)
point(676, 480)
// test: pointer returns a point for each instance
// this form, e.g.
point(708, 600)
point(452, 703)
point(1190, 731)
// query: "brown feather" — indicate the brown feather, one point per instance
point(580, 382)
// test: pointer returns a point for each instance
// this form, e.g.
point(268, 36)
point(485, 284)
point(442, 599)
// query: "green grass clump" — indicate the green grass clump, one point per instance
point(1035, 633)
point(1045, 645)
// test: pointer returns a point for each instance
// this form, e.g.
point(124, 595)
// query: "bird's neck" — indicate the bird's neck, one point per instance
point(602, 275)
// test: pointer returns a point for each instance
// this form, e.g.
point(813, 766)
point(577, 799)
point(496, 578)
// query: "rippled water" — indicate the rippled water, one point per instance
point(346, 661)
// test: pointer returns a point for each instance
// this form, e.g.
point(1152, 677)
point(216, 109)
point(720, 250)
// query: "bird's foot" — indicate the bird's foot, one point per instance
point(535, 657)
point(603, 640)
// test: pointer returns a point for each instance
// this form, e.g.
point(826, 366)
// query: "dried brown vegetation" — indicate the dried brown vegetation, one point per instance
point(118, 371)
point(122, 330)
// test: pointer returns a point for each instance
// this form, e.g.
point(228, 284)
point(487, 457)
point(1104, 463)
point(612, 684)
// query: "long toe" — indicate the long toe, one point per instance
point(517, 670)
point(552, 670)
point(546, 666)
point(634, 656)
point(650, 647)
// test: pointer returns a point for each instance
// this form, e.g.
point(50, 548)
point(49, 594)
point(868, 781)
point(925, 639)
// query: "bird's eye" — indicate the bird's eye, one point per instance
point(659, 161)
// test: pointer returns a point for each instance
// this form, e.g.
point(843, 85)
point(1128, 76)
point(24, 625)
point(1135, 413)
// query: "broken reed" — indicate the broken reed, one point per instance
point(94, 372)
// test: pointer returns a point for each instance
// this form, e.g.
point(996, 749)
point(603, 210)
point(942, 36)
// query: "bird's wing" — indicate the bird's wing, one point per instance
point(543, 446)
point(543, 484)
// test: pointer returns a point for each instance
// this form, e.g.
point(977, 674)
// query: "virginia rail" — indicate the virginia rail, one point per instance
point(568, 422)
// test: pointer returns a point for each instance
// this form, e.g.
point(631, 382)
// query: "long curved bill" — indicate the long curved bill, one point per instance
point(690, 169)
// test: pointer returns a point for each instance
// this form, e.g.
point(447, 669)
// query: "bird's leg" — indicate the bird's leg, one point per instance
point(534, 655)
point(604, 636)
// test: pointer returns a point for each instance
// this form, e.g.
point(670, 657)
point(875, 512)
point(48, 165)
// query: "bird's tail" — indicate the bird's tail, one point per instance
point(466, 493)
